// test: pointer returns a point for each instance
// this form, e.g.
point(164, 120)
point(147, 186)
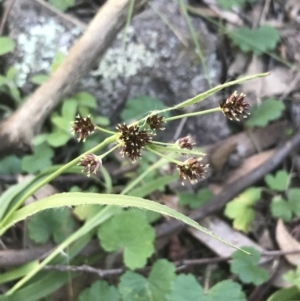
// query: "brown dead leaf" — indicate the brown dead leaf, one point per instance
point(287, 243)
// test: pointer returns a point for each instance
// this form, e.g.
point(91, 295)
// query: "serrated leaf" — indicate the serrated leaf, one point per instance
point(100, 291)
point(10, 165)
point(68, 111)
point(260, 40)
point(139, 107)
point(293, 197)
point(39, 79)
point(131, 232)
point(136, 287)
point(191, 200)
point(279, 182)
point(240, 208)
point(40, 160)
point(186, 287)
point(58, 138)
point(269, 110)
point(51, 223)
point(281, 208)
point(246, 267)
point(86, 99)
point(6, 45)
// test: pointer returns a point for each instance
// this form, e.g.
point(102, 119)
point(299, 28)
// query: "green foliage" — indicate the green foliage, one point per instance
point(51, 223)
point(293, 277)
point(259, 41)
point(10, 165)
point(240, 208)
point(59, 56)
point(286, 294)
point(100, 291)
point(279, 182)
point(285, 209)
point(62, 5)
point(39, 79)
point(40, 160)
point(269, 110)
point(186, 287)
point(228, 4)
point(128, 230)
point(193, 201)
point(136, 108)
point(6, 45)
point(135, 287)
point(246, 267)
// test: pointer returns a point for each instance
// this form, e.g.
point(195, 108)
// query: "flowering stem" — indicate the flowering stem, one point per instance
point(109, 151)
point(193, 114)
point(104, 130)
point(163, 156)
point(175, 149)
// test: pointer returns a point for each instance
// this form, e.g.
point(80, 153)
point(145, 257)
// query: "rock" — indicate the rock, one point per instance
point(156, 61)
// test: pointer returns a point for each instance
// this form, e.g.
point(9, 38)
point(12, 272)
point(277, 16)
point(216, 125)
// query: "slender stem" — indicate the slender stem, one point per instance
point(99, 128)
point(175, 149)
point(163, 156)
point(109, 151)
point(194, 114)
point(53, 176)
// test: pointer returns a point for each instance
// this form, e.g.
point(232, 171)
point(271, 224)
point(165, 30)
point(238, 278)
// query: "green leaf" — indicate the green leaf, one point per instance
point(62, 5)
point(136, 287)
point(293, 197)
point(279, 182)
point(286, 294)
point(246, 267)
point(10, 165)
point(100, 291)
point(11, 73)
point(6, 45)
point(86, 100)
point(293, 277)
point(139, 107)
point(58, 138)
point(186, 287)
point(59, 56)
point(41, 159)
point(3, 80)
point(269, 110)
point(260, 40)
point(56, 223)
point(68, 111)
point(228, 4)
point(281, 209)
point(130, 231)
point(86, 212)
point(39, 79)
point(191, 200)
point(240, 208)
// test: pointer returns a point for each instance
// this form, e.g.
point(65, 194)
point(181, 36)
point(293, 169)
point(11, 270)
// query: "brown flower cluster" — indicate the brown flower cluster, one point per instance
point(234, 107)
point(155, 122)
point(83, 127)
point(191, 169)
point(91, 163)
point(133, 140)
point(185, 142)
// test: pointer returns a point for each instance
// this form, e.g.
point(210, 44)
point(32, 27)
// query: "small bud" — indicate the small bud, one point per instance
point(91, 164)
point(191, 169)
point(155, 122)
point(83, 127)
point(234, 107)
point(185, 142)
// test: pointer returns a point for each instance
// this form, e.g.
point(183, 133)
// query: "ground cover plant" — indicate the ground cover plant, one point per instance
point(117, 211)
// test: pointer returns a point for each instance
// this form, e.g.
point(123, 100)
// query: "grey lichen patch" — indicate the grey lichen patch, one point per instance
point(126, 61)
point(38, 45)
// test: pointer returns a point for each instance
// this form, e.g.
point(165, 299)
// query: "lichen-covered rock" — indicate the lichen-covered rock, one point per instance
point(159, 60)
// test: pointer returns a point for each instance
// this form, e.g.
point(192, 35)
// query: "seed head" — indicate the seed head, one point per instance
point(133, 140)
point(91, 164)
point(191, 169)
point(83, 127)
point(155, 122)
point(234, 107)
point(185, 142)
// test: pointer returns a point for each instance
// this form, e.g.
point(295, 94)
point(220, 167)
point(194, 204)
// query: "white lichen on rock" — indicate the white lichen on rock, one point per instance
point(38, 45)
point(125, 61)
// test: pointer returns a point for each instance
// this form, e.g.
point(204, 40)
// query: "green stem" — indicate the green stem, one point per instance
point(99, 128)
point(194, 114)
point(175, 149)
point(53, 176)
point(163, 156)
point(109, 151)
